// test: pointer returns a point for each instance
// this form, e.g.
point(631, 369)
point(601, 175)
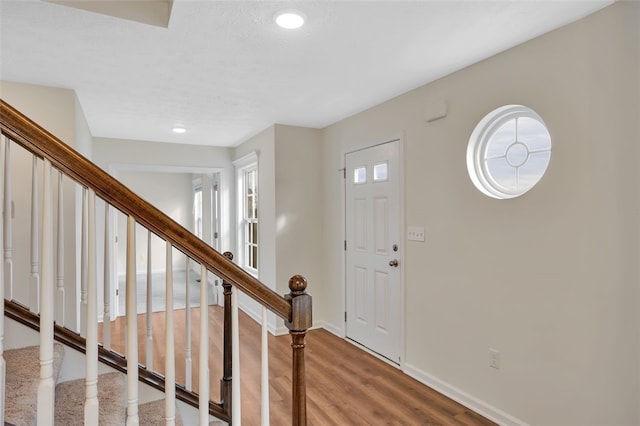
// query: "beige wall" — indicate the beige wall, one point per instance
point(115, 155)
point(549, 279)
point(57, 111)
point(172, 193)
point(263, 145)
point(288, 197)
point(298, 214)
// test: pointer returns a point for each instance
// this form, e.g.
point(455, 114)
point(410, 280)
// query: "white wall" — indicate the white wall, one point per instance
point(551, 278)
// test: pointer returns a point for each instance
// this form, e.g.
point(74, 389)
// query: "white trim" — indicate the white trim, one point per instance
point(481, 136)
point(399, 137)
point(159, 168)
point(257, 317)
point(242, 164)
point(490, 412)
point(329, 327)
point(246, 160)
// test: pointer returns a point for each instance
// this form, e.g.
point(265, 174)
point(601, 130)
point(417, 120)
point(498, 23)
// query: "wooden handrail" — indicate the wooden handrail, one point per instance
point(40, 142)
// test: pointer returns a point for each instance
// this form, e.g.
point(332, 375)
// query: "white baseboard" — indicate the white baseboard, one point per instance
point(492, 413)
point(282, 329)
point(257, 317)
point(330, 328)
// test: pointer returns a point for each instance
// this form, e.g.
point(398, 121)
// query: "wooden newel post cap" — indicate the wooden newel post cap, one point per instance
point(297, 285)
point(301, 318)
point(228, 255)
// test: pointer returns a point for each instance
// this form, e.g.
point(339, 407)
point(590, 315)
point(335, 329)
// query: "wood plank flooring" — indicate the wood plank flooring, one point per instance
point(345, 385)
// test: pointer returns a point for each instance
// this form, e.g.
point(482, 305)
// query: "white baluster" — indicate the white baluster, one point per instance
point(34, 287)
point(187, 313)
point(83, 264)
point(203, 387)
point(3, 364)
point(91, 405)
point(106, 324)
point(59, 305)
point(149, 313)
point(170, 359)
point(132, 326)
point(236, 412)
point(264, 382)
point(8, 213)
point(46, 386)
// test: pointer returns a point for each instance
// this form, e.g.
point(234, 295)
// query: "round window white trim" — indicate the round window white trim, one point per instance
point(516, 155)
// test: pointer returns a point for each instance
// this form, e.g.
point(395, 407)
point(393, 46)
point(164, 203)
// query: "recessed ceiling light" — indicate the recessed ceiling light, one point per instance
point(179, 129)
point(290, 19)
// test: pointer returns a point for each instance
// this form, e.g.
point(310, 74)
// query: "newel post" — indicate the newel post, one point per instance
point(300, 322)
point(225, 382)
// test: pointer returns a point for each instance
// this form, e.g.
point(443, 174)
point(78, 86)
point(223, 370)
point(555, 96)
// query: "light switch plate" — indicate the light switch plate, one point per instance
point(415, 233)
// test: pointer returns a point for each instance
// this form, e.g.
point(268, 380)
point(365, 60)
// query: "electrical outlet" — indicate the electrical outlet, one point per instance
point(415, 233)
point(494, 358)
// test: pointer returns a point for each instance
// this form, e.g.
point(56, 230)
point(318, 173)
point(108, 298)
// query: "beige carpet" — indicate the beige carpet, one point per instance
point(111, 397)
point(152, 414)
point(22, 378)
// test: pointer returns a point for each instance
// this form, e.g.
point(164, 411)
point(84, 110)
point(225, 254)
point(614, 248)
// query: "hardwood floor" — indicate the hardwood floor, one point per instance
point(345, 385)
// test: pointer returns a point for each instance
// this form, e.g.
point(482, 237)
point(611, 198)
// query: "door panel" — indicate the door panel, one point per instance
point(373, 231)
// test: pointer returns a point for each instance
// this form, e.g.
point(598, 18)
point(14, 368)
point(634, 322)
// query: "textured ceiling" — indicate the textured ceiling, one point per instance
point(225, 71)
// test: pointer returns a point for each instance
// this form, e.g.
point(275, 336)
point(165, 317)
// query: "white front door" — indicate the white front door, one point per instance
point(373, 232)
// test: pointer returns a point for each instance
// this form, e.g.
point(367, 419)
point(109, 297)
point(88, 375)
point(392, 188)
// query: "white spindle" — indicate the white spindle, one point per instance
point(187, 313)
point(149, 313)
point(264, 382)
point(203, 387)
point(235, 359)
point(8, 213)
point(106, 323)
point(91, 405)
point(170, 360)
point(59, 304)
point(34, 287)
point(3, 364)
point(132, 326)
point(46, 395)
point(83, 264)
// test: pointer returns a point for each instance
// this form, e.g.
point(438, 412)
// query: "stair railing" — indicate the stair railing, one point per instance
point(48, 282)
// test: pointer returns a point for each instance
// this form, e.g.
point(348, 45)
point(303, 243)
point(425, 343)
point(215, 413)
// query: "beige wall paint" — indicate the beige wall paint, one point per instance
point(550, 279)
point(298, 186)
point(172, 194)
point(115, 155)
point(289, 189)
point(58, 111)
point(263, 145)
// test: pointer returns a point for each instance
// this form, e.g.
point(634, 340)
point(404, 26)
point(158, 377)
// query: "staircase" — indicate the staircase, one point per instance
point(23, 376)
point(29, 376)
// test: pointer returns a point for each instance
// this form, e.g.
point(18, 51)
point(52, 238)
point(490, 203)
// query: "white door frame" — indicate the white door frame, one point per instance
point(401, 197)
point(113, 170)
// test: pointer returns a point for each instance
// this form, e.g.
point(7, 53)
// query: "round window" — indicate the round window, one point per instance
point(508, 152)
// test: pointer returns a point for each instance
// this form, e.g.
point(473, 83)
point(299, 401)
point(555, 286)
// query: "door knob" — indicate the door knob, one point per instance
point(393, 263)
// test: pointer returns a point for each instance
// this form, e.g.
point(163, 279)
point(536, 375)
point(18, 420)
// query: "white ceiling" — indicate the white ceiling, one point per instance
point(225, 71)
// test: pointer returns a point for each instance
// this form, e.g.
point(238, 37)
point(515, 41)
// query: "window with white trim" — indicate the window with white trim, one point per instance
point(248, 217)
point(197, 208)
point(508, 152)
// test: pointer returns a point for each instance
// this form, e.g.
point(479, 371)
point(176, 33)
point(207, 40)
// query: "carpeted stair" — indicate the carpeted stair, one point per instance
point(22, 378)
point(23, 375)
